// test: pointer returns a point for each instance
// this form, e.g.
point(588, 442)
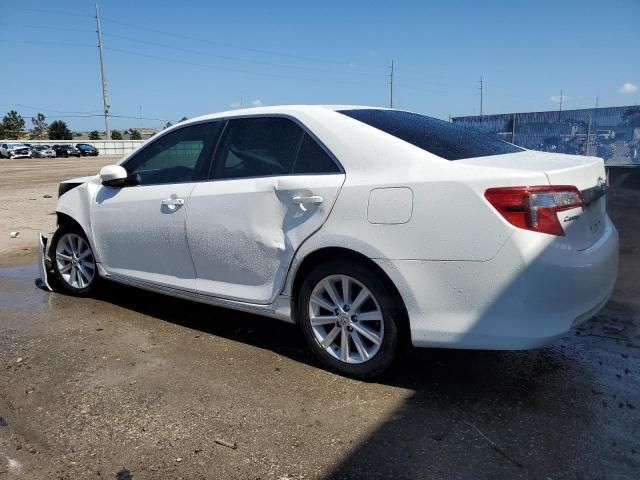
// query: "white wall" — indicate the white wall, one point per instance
point(106, 147)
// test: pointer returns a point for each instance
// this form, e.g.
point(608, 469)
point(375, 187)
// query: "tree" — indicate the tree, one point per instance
point(13, 124)
point(168, 124)
point(58, 130)
point(116, 135)
point(135, 134)
point(39, 126)
point(183, 119)
point(94, 135)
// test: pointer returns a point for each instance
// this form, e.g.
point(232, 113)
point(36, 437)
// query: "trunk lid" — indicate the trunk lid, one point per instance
point(582, 226)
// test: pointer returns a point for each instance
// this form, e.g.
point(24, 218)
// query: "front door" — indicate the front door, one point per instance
point(139, 229)
point(271, 187)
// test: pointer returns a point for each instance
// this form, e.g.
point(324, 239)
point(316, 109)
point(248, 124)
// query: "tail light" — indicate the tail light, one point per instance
point(535, 208)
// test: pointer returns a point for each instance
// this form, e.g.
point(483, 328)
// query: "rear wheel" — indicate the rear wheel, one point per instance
point(349, 316)
point(73, 262)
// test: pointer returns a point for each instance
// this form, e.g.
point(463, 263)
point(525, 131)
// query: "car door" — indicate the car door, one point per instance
point(272, 186)
point(139, 229)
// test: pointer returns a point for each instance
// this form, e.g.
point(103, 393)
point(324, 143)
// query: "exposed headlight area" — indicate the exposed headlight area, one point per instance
point(66, 186)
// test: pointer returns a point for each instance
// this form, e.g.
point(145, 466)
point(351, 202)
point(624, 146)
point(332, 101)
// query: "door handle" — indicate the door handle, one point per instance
point(302, 199)
point(173, 201)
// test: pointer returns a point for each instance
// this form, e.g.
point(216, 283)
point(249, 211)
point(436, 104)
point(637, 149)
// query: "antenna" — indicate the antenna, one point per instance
point(391, 86)
point(105, 101)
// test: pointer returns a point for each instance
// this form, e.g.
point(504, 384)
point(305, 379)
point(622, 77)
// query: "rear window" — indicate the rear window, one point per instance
point(441, 138)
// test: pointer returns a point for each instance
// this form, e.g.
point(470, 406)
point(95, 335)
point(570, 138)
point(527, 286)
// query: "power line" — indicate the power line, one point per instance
point(52, 12)
point(41, 109)
point(224, 44)
point(227, 57)
point(229, 69)
point(56, 28)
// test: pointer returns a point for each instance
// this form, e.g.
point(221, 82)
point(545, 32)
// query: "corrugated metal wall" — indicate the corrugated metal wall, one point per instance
point(612, 133)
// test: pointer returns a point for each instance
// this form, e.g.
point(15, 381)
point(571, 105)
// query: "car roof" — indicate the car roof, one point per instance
point(292, 110)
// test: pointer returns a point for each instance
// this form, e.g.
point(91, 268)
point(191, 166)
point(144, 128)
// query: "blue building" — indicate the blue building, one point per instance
point(612, 133)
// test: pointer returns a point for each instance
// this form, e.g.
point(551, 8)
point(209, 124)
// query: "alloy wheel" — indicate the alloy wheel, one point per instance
point(75, 261)
point(346, 319)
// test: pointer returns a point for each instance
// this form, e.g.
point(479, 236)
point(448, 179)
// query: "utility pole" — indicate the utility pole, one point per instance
point(140, 116)
point(481, 97)
point(105, 101)
point(597, 100)
point(391, 86)
point(560, 111)
point(588, 135)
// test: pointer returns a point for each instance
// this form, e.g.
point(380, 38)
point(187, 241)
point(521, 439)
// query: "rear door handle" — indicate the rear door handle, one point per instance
point(173, 201)
point(306, 199)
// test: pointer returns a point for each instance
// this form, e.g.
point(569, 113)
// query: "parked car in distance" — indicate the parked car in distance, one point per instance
point(14, 150)
point(66, 151)
point(43, 151)
point(87, 150)
point(370, 228)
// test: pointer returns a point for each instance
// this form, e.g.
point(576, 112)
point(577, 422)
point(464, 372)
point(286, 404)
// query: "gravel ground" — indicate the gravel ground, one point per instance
point(131, 384)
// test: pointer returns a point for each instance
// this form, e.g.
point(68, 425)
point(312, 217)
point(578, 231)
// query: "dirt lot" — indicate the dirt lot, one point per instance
point(28, 195)
point(135, 385)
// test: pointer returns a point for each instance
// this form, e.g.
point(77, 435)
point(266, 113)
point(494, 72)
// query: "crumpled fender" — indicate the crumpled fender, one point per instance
point(43, 264)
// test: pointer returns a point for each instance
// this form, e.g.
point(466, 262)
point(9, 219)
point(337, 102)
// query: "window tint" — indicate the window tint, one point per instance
point(435, 136)
point(256, 147)
point(176, 157)
point(313, 159)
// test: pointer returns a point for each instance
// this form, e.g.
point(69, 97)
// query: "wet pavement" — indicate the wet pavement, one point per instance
point(136, 385)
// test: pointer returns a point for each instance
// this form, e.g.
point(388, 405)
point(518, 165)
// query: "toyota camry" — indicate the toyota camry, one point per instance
point(372, 229)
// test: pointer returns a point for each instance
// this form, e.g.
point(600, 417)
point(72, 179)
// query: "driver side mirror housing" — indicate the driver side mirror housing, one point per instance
point(113, 176)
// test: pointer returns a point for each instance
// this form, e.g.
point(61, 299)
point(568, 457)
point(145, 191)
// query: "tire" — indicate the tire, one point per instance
point(74, 270)
point(66, 155)
point(362, 358)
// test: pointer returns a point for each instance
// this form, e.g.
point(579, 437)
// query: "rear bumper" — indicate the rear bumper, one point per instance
point(521, 299)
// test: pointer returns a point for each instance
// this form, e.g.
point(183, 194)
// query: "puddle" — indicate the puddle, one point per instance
point(18, 290)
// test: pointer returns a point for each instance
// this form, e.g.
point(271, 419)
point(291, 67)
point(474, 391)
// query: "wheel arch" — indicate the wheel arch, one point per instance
point(321, 255)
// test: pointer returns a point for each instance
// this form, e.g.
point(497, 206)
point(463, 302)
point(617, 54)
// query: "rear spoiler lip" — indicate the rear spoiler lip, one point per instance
point(592, 194)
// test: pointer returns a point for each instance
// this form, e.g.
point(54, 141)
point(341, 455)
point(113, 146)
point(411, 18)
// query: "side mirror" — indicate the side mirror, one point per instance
point(113, 176)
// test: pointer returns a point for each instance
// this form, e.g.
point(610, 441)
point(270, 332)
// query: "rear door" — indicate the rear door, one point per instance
point(139, 229)
point(272, 185)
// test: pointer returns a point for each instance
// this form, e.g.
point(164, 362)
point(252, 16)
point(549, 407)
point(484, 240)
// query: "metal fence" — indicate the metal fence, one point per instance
point(612, 133)
point(106, 147)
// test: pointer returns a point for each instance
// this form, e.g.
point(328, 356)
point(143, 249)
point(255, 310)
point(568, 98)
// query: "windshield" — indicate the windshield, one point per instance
point(441, 138)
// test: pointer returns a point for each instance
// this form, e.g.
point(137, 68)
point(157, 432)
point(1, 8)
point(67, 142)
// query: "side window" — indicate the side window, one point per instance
point(313, 159)
point(258, 147)
point(179, 156)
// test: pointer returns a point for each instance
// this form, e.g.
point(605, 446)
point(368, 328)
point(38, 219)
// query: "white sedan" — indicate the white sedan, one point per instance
point(372, 229)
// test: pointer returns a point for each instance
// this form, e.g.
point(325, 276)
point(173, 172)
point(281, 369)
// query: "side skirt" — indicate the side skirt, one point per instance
point(280, 309)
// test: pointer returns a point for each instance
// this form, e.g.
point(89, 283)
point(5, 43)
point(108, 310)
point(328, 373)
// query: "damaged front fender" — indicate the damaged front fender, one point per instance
point(44, 264)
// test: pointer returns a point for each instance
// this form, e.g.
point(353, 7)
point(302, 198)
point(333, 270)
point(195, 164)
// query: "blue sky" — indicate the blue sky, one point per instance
point(171, 59)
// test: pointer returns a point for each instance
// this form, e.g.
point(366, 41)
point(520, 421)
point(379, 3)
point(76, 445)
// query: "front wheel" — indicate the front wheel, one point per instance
point(350, 317)
point(74, 265)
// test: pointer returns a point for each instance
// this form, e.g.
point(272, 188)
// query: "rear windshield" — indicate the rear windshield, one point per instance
point(441, 138)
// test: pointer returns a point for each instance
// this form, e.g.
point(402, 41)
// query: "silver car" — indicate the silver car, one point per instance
point(43, 151)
